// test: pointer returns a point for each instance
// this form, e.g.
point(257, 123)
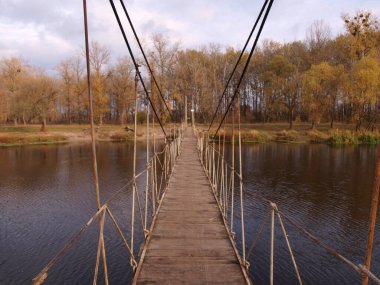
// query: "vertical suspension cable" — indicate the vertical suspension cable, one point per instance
point(241, 185)
point(134, 170)
point(272, 245)
point(232, 169)
point(147, 165)
point(224, 172)
point(218, 169)
point(93, 146)
point(154, 189)
point(373, 216)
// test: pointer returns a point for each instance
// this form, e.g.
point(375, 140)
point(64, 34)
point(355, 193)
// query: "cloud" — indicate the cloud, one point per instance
point(45, 31)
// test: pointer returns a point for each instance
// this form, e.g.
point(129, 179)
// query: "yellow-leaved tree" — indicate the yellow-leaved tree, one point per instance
point(364, 84)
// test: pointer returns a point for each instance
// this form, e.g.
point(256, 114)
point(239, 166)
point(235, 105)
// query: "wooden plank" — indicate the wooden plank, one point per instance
point(189, 244)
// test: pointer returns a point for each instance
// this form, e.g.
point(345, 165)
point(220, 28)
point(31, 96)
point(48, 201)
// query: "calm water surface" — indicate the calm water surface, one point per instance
point(46, 195)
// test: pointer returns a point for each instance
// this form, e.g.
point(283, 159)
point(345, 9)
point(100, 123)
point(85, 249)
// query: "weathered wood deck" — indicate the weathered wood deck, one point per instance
point(189, 243)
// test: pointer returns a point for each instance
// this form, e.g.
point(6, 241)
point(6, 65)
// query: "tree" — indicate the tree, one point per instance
point(99, 57)
point(318, 37)
point(363, 28)
point(284, 82)
point(67, 88)
point(337, 89)
point(13, 71)
point(316, 86)
point(163, 56)
point(40, 91)
point(121, 88)
point(364, 84)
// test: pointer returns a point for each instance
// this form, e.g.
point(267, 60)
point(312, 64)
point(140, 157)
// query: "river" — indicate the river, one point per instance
point(47, 194)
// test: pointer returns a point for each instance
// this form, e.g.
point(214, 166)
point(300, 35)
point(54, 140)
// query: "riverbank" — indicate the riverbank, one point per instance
point(31, 134)
point(341, 134)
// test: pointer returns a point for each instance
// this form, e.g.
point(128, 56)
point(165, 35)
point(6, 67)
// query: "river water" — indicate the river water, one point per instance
point(47, 194)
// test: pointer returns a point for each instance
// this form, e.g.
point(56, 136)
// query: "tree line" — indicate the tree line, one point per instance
point(320, 79)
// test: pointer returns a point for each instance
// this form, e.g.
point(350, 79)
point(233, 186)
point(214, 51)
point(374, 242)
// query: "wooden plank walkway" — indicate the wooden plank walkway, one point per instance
point(189, 243)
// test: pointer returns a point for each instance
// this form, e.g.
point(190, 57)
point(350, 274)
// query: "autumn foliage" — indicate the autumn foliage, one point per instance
point(320, 79)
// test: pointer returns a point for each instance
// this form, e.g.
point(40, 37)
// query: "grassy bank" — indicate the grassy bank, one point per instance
point(301, 133)
point(342, 134)
point(31, 134)
point(17, 140)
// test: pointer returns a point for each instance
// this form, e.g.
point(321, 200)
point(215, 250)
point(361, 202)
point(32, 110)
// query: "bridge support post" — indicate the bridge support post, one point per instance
point(373, 215)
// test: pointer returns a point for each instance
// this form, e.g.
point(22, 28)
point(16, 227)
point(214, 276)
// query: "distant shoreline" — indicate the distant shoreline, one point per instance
point(55, 134)
point(261, 133)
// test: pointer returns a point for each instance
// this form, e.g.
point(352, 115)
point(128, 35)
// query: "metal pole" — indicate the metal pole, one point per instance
point(147, 165)
point(90, 104)
point(185, 111)
point(154, 190)
point(93, 146)
point(272, 245)
point(233, 169)
point(241, 186)
point(373, 215)
point(134, 167)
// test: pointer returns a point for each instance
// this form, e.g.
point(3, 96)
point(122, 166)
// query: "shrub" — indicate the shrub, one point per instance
point(141, 117)
point(287, 136)
point(316, 136)
point(368, 138)
point(254, 136)
point(121, 136)
point(338, 137)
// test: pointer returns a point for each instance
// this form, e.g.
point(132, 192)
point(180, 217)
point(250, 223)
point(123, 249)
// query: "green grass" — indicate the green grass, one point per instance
point(346, 137)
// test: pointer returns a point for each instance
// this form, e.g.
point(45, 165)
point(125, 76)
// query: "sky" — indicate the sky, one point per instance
point(45, 32)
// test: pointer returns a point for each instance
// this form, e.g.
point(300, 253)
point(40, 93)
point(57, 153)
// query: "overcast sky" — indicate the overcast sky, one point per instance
point(46, 31)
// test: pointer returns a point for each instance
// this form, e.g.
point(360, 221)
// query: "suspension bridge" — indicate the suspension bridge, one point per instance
point(191, 209)
point(189, 241)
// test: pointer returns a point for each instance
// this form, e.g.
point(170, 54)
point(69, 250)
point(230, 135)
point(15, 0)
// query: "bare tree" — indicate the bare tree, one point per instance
point(317, 38)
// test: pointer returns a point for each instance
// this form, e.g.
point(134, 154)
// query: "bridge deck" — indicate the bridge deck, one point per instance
point(189, 243)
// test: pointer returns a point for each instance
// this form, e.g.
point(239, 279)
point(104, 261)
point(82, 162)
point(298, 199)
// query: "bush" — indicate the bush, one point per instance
point(122, 137)
point(339, 137)
point(254, 136)
point(316, 136)
point(353, 138)
point(141, 117)
point(287, 136)
point(368, 138)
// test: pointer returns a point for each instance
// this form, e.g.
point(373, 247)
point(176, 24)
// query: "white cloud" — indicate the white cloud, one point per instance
point(46, 31)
